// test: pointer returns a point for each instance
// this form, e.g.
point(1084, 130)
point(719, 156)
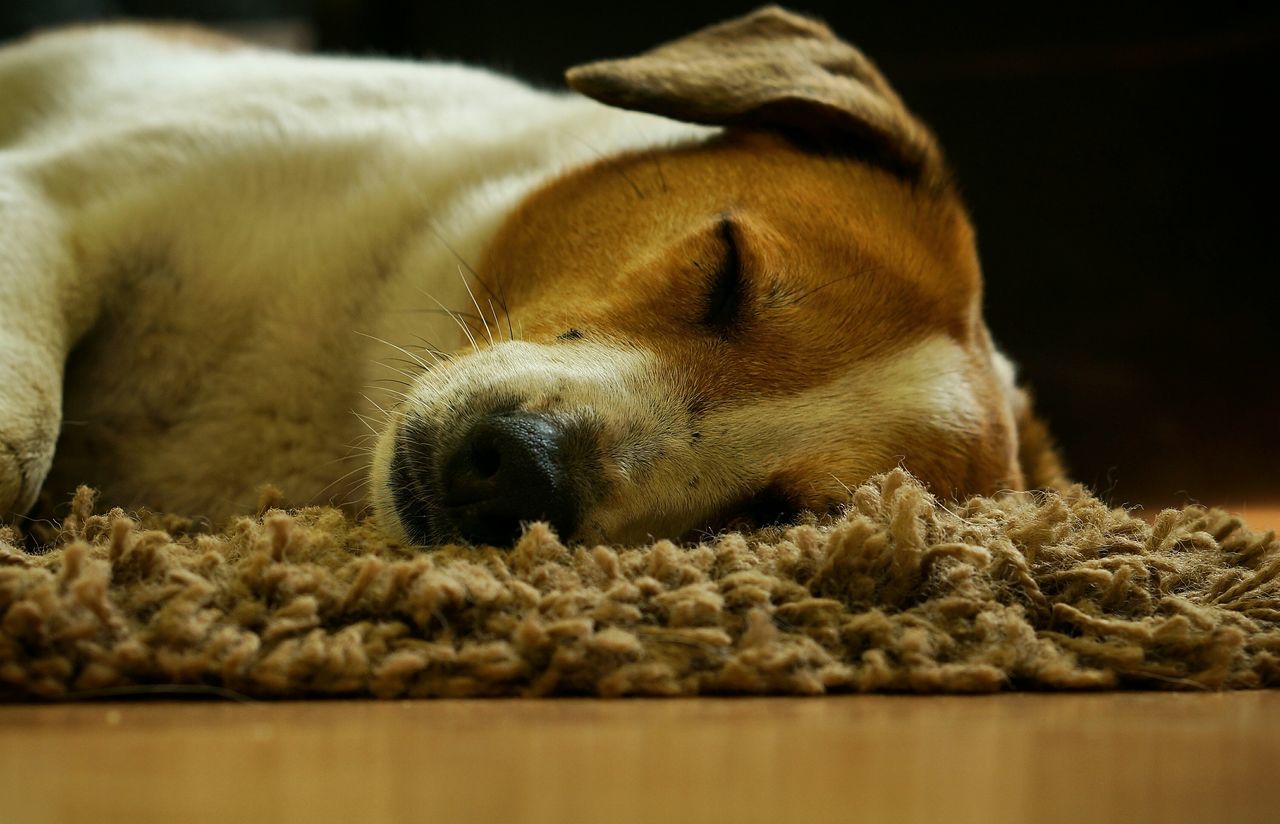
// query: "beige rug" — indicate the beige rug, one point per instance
point(1019, 591)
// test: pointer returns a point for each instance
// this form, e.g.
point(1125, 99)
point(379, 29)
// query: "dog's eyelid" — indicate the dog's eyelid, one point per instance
point(727, 289)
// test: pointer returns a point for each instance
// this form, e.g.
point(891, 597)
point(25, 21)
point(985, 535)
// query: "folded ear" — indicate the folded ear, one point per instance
point(775, 70)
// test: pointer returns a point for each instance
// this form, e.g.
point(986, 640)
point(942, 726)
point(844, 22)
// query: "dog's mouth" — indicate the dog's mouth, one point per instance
point(592, 441)
point(482, 478)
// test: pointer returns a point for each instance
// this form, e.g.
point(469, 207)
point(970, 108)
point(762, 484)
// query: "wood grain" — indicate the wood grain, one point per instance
point(1017, 757)
point(1258, 516)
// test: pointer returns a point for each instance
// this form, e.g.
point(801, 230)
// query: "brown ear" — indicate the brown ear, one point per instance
point(771, 69)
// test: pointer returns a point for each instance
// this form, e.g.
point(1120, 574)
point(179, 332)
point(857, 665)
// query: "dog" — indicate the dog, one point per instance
point(720, 284)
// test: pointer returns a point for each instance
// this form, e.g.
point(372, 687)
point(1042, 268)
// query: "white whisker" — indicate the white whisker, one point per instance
point(340, 479)
point(386, 364)
point(376, 405)
point(419, 361)
point(366, 421)
point(466, 330)
point(476, 303)
point(496, 322)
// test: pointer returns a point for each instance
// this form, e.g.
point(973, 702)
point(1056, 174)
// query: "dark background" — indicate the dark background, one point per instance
point(1119, 161)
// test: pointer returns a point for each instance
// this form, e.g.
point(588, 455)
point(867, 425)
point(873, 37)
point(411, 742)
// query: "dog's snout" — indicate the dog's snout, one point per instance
point(512, 467)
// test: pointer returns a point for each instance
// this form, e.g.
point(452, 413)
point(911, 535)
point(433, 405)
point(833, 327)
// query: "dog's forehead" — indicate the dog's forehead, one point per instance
point(810, 219)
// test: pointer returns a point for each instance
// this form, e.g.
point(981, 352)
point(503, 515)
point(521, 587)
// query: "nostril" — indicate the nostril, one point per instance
point(510, 468)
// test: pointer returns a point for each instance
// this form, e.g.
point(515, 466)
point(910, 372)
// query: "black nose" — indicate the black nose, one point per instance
point(510, 468)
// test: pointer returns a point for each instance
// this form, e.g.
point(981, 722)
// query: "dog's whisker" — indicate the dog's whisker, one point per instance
point(412, 376)
point(356, 499)
point(376, 405)
point(460, 313)
point(506, 310)
point(442, 357)
point(371, 422)
point(368, 419)
point(404, 396)
point(453, 251)
point(419, 361)
point(495, 315)
point(374, 384)
point(386, 364)
point(488, 333)
point(466, 330)
point(365, 421)
point(848, 491)
point(354, 454)
point(501, 296)
point(320, 495)
point(360, 487)
point(502, 301)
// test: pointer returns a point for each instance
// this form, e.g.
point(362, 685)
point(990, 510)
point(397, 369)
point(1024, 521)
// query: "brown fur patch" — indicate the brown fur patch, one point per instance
point(840, 262)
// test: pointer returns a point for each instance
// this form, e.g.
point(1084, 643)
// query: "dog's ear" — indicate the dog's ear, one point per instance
point(775, 70)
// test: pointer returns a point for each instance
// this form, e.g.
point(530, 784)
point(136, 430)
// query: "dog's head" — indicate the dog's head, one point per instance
point(726, 332)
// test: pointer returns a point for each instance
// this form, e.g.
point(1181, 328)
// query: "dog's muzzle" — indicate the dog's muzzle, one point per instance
point(506, 469)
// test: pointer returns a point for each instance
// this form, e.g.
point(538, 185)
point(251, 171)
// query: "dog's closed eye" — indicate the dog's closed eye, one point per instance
point(725, 298)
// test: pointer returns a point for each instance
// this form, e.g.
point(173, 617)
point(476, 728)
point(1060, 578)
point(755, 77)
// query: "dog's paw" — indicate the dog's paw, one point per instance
point(30, 420)
point(12, 484)
point(18, 487)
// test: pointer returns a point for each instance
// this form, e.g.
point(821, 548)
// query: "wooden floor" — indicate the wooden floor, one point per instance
point(1044, 758)
point(1259, 514)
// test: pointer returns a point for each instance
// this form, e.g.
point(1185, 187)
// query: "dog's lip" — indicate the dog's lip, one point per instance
point(450, 504)
point(768, 505)
point(415, 505)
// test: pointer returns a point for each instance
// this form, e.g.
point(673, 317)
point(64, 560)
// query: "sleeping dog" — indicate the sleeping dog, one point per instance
point(721, 284)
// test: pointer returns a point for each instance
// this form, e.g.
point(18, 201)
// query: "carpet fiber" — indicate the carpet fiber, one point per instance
point(1018, 591)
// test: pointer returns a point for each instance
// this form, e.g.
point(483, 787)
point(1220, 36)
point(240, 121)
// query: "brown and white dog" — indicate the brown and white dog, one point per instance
point(740, 286)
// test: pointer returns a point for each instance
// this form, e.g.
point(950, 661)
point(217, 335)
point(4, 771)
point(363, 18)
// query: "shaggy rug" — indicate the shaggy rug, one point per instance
point(1016, 591)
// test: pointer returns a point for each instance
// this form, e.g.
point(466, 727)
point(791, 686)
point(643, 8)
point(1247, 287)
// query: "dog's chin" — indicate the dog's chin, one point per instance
point(414, 503)
point(400, 515)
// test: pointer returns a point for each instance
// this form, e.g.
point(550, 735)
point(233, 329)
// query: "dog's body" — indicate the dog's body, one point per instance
point(224, 233)
point(221, 251)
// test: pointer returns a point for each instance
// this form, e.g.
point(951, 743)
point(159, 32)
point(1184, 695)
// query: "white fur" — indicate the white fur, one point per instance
point(224, 235)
